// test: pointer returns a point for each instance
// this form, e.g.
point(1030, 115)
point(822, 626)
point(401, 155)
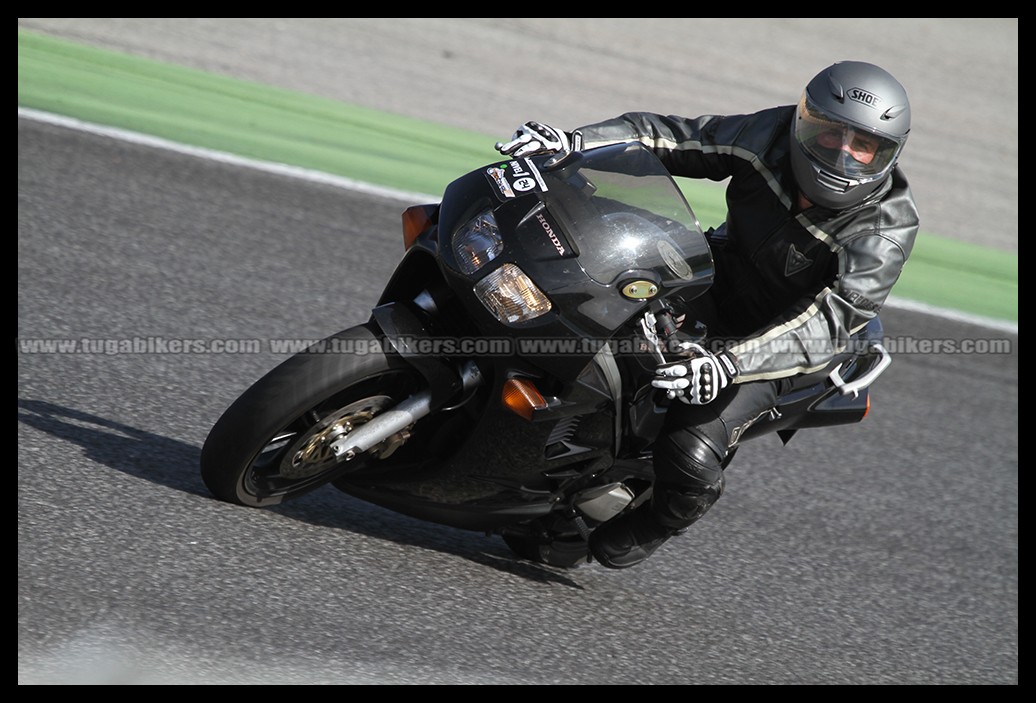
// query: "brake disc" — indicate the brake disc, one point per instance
point(312, 453)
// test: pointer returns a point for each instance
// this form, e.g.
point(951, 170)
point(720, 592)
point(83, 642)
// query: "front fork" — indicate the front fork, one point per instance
point(399, 418)
point(446, 384)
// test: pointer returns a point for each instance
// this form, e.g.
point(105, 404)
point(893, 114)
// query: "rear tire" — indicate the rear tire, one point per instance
point(271, 444)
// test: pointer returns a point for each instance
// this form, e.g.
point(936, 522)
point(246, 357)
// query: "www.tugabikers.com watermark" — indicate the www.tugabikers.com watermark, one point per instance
point(481, 346)
point(141, 345)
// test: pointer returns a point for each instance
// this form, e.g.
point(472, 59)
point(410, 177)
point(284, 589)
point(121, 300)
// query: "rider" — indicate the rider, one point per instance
point(819, 225)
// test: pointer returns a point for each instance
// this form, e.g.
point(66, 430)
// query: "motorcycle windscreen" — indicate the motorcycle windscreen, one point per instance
point(625, 214)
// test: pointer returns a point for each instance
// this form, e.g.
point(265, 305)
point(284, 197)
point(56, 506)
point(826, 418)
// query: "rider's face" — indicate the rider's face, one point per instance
point(860, 146)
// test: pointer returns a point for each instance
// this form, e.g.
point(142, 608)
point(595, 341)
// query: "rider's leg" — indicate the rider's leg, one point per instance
point(688, 461)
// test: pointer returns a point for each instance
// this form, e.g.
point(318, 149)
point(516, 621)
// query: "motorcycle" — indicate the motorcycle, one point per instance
point(502, 383)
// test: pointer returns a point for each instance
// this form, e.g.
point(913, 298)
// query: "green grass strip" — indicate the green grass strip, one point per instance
point(961, 276)
point(272, 124)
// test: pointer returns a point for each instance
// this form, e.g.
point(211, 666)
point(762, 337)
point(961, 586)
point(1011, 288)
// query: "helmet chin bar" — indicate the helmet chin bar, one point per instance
point(833, 182)
point(826, 189)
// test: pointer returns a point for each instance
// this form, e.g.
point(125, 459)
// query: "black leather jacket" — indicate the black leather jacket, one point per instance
point(791, 286)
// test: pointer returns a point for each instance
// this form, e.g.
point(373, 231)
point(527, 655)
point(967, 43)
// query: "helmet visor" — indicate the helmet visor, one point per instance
point(841, 147)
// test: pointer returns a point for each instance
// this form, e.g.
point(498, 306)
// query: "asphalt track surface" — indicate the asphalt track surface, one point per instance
point(883, 553)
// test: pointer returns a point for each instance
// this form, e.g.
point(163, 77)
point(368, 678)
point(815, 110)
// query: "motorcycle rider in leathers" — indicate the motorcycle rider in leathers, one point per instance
point(819, 225)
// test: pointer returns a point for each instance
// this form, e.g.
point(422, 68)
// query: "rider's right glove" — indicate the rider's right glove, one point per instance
point(698, 380)
point(534, 138)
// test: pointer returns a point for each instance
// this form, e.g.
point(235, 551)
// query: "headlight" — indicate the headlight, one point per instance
point(511, 295)
point(477, 243)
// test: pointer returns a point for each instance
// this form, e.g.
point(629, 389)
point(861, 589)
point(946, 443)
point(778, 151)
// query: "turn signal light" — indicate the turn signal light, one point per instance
point(417, 219)
point(521, 397)
point(511, 295)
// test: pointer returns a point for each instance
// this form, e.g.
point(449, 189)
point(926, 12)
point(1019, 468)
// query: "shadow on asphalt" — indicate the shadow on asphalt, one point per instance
point(134, 451)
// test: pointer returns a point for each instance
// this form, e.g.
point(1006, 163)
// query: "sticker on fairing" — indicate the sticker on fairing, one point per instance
point(674, 261)
point(496, 175)
point(521, 176)
point(523, 185)
point(524, 171)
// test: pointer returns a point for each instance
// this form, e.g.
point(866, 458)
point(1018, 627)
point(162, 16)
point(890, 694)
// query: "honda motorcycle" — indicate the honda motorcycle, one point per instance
point(503, 381)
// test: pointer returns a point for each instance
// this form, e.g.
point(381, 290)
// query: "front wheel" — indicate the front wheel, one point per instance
point(273, 443)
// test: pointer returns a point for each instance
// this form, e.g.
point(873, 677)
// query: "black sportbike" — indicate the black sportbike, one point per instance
point(503, 381)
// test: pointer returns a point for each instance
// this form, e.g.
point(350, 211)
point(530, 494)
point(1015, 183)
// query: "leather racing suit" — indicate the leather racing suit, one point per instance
point(791, 284)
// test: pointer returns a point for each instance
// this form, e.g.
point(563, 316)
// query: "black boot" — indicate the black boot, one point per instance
point(628, 540)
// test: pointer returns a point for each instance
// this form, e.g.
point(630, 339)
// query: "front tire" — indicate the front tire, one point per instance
point(271, 444)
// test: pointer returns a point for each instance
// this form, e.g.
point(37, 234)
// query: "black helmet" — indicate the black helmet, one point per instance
point(850, 127)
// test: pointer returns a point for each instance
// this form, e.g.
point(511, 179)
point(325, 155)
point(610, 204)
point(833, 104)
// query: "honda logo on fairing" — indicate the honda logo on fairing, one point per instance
point(550, 233)
point(862, 96)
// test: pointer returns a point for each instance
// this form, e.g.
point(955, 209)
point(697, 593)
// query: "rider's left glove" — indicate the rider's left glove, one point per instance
point(534, 138)
point(698, 380)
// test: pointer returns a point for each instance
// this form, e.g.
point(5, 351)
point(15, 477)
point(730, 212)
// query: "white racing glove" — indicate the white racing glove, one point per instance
point(535, 138)
point(698, 380)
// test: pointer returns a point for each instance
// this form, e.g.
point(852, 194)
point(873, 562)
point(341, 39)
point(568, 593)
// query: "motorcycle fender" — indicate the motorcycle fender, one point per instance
point(404, 330)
